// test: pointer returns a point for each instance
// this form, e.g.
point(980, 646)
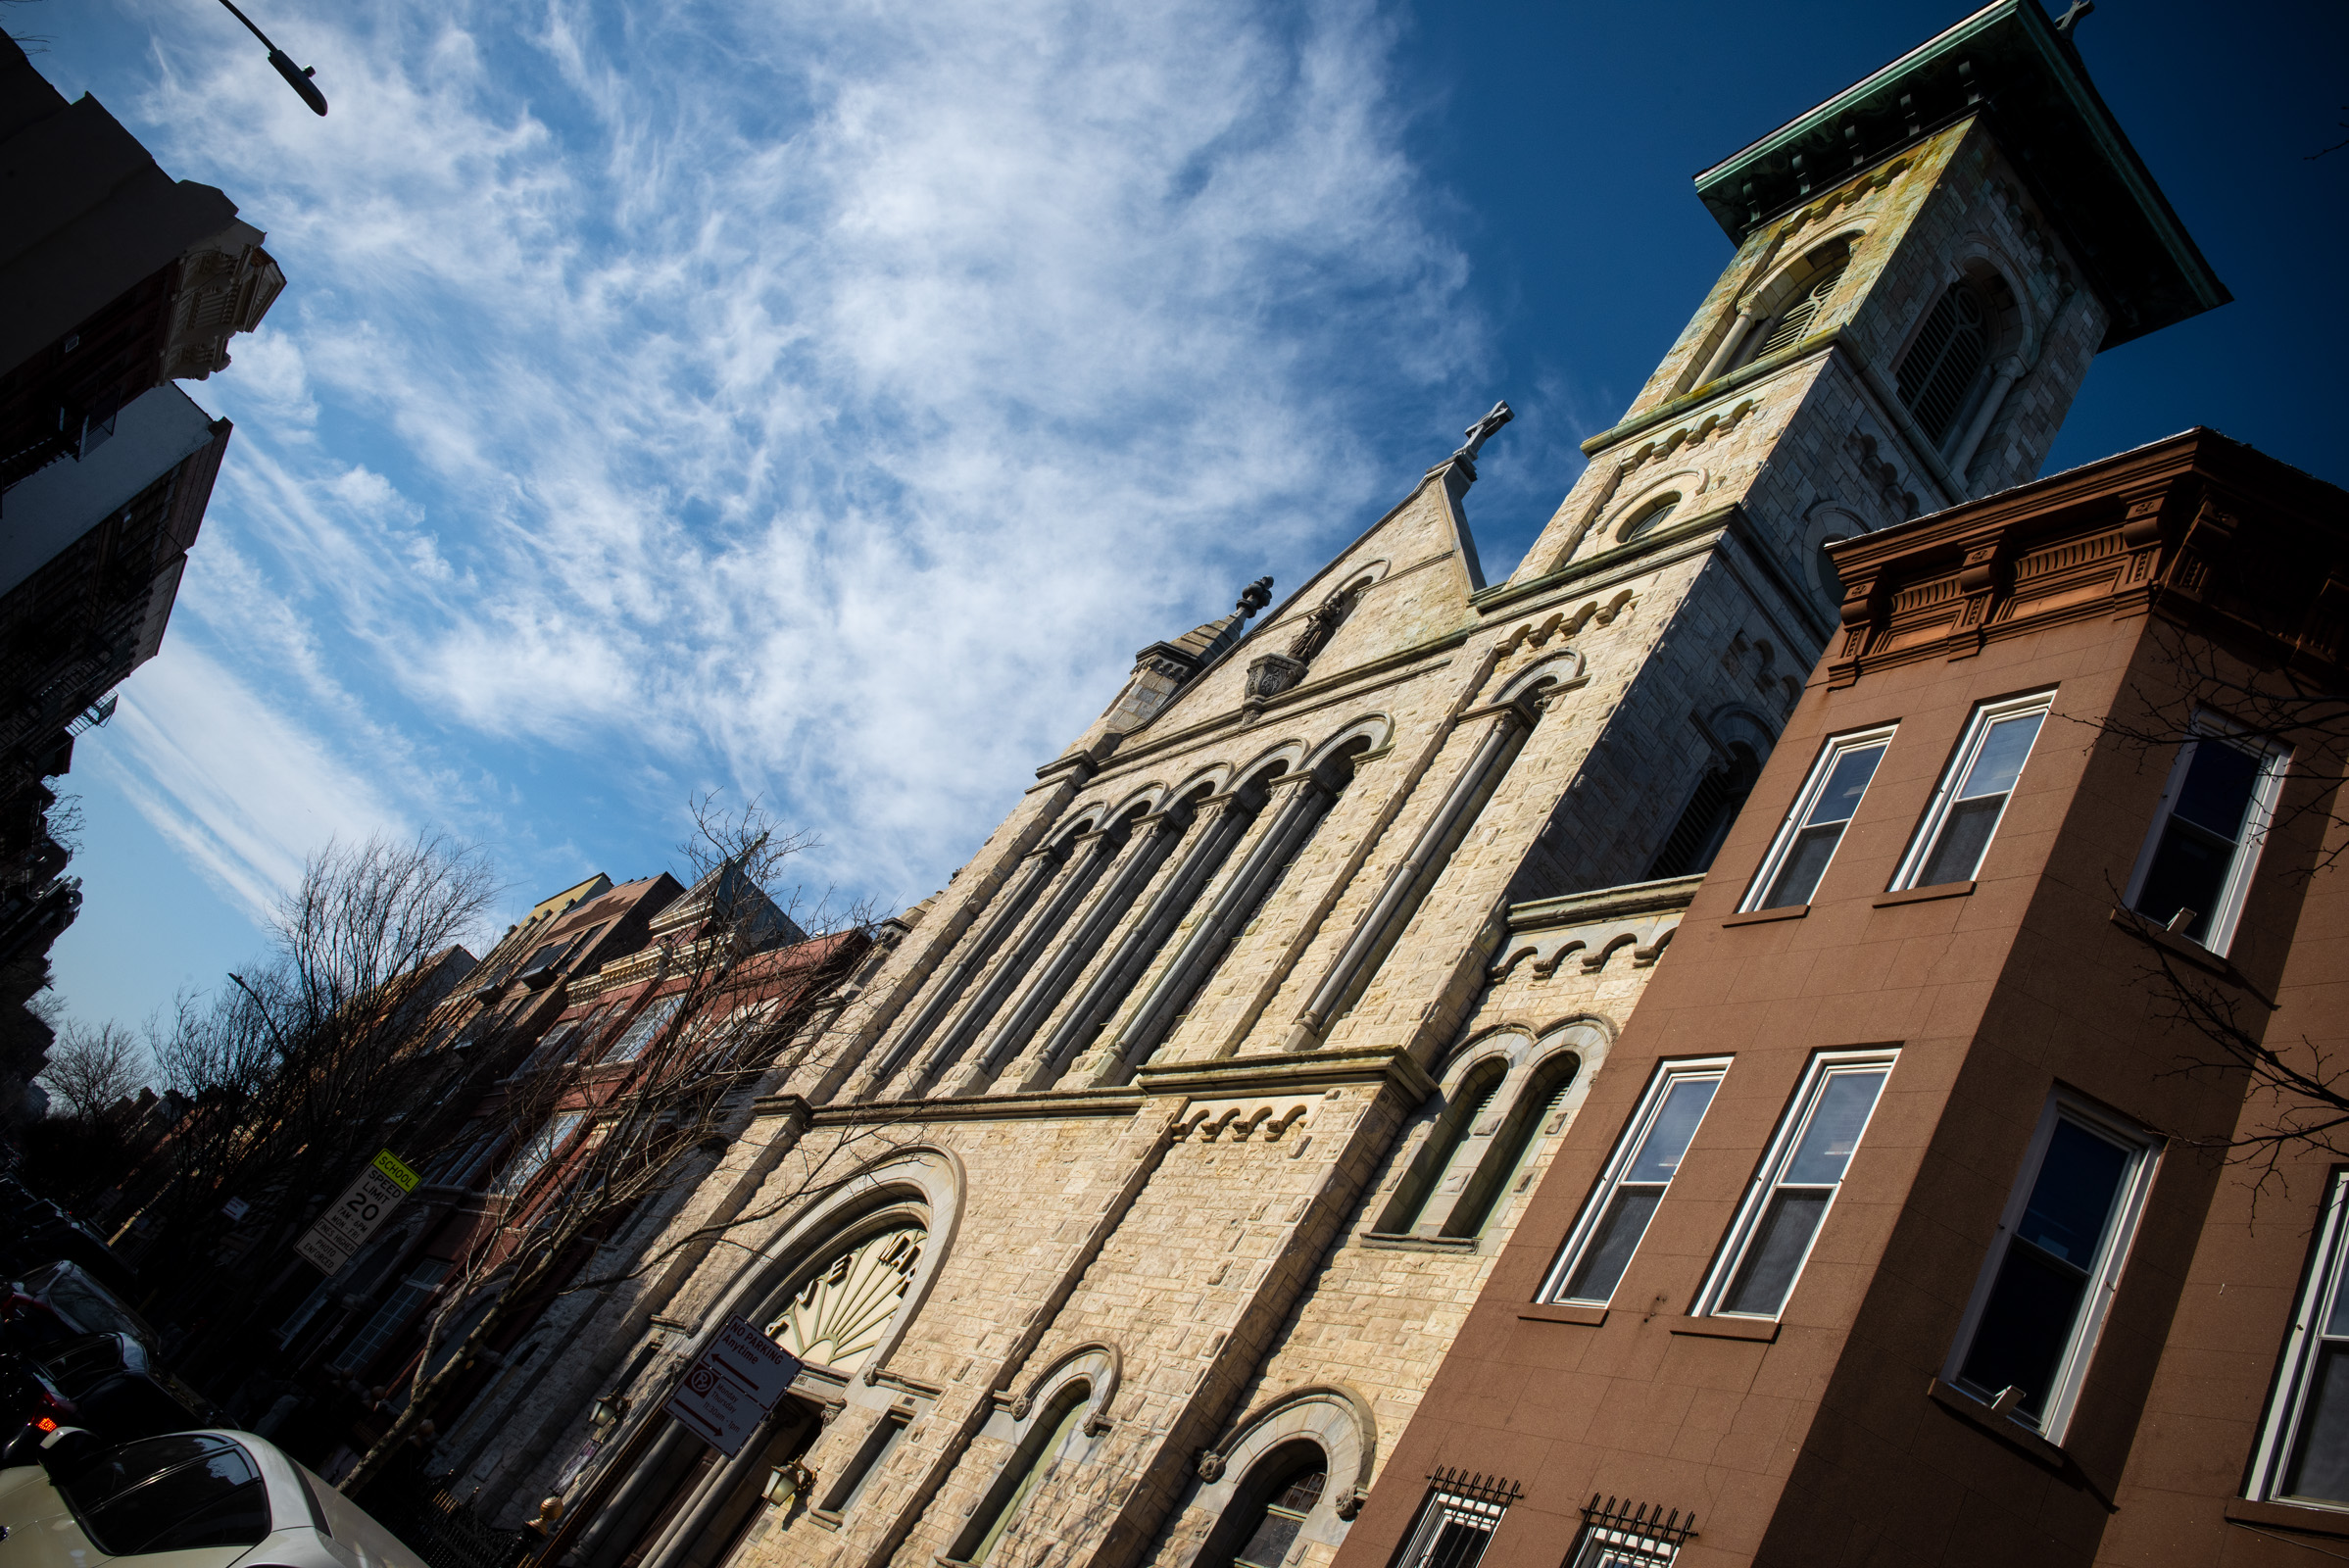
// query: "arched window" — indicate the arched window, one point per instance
point(1649, 515)
point(1271, 1508)
point(840, 1312)
point(1705, 821)
point(1942, 367)
point(1793, 324)
point(1244, 895)
point(1057, 1435)
point(1444, 1161)
point(1534, 1116)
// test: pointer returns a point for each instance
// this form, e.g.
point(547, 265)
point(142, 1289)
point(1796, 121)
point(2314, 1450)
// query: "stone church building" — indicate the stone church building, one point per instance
point(1124, 1208)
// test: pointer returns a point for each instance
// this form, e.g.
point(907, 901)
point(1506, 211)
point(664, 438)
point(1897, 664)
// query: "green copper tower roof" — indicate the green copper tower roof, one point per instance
point(2007, 63)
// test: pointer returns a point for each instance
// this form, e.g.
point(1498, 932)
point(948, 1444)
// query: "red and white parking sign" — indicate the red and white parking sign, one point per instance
point(730, 1387)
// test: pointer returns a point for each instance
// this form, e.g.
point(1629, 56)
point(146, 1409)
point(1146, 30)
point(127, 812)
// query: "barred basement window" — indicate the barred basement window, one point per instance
point(1795, 323)
point(1621, 1536)
point(1946, 361)
point(1458, 1520)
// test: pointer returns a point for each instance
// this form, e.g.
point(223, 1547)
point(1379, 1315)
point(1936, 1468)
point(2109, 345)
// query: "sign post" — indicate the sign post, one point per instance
point(365, 1205)
point(732, 1384)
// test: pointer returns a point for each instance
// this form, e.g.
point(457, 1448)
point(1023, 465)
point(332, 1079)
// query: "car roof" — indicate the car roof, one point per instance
point(293, 1489)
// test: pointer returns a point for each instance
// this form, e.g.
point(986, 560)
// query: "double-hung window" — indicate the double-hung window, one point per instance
point(631, 1044)
point(1807, 841)
point(1771, 1238)
point(2207, 833)
point(1454, 1528)
point(1599, 1247)
point(1967, 808)
point(2303, 1452)
point(2054, 1265)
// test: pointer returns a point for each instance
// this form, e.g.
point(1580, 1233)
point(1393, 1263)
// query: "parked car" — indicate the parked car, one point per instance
point(59, 1301)
point(36, 1230)
point(209, 1499)
point(108, 1383)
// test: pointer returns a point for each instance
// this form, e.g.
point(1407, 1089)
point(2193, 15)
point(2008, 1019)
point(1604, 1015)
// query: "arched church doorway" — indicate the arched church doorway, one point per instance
point(833, 1316)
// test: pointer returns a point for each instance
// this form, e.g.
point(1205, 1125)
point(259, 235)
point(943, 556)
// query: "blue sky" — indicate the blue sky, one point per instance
point(824, 400)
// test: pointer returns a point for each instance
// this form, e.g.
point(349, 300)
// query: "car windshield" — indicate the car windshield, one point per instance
point(77, 1362)
point(168, 1495)
point(92, 1309)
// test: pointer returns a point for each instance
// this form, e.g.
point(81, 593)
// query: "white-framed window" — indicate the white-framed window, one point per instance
point(2054, 1265)
point(638, 1035)
point(1454, 1531)
point(2207, 834)
point(397, 1312)
point(1600, 1245)
point(2303, 1452)
point(1967, 808)
point(533, 1155)
point(1798, 856)
point(1771, 1238)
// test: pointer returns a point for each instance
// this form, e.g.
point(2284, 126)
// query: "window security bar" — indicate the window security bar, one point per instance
point(1621, 1536)
point(1648, 1519)
point(1481, 1488)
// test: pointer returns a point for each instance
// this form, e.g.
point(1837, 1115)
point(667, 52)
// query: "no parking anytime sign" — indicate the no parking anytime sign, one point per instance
point(731, 1384)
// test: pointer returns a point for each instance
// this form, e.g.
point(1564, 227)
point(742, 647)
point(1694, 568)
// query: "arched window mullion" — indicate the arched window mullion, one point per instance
point(1488, 1192)
point(1938, 373)
point(1090, 853)
point(1217, 828)
point(1244, 894)
point(1153, 839)
point(1424, 1183)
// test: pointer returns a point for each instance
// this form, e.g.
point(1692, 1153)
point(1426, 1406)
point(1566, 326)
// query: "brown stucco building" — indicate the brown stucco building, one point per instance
point(1896, 1230)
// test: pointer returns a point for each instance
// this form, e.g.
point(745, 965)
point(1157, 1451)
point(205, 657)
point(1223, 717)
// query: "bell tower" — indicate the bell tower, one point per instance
point(1926, 264)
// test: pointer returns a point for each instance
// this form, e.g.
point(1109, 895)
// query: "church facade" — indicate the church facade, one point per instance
point(1125, 1205)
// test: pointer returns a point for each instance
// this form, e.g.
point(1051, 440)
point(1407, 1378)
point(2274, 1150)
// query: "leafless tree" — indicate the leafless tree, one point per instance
point(599, 1163)
point(306, 1058)
point(91, 1071)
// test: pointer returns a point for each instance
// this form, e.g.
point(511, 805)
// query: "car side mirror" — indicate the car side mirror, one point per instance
point(68, 1452)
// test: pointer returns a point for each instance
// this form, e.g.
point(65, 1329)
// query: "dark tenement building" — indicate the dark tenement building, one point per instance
point(120, 280)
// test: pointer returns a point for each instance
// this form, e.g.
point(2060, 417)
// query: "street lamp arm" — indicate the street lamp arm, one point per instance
point(296, 76)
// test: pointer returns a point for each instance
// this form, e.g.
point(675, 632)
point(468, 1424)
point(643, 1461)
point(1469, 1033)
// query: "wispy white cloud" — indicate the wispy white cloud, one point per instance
point(820, 400)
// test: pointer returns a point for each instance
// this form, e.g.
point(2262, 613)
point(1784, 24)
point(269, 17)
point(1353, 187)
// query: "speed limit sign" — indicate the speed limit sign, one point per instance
point(352, 1218)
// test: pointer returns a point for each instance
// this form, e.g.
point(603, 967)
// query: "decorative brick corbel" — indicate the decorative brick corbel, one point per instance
point(1978, 579)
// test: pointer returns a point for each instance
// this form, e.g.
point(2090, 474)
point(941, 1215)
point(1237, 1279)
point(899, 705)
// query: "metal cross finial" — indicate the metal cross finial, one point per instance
point(2071, 15)
point(1481, 431)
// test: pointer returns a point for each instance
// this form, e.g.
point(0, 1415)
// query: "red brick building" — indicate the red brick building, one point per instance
point(1896, 1231)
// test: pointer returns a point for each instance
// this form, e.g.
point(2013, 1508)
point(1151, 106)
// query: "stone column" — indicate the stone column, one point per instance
point(1410, 880)
point(971, 955)
point(2010, 370)
point(1146, 847)
point(1218, 825)
point(1747, 314)
point(1309, 799)
point(1087, 854)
